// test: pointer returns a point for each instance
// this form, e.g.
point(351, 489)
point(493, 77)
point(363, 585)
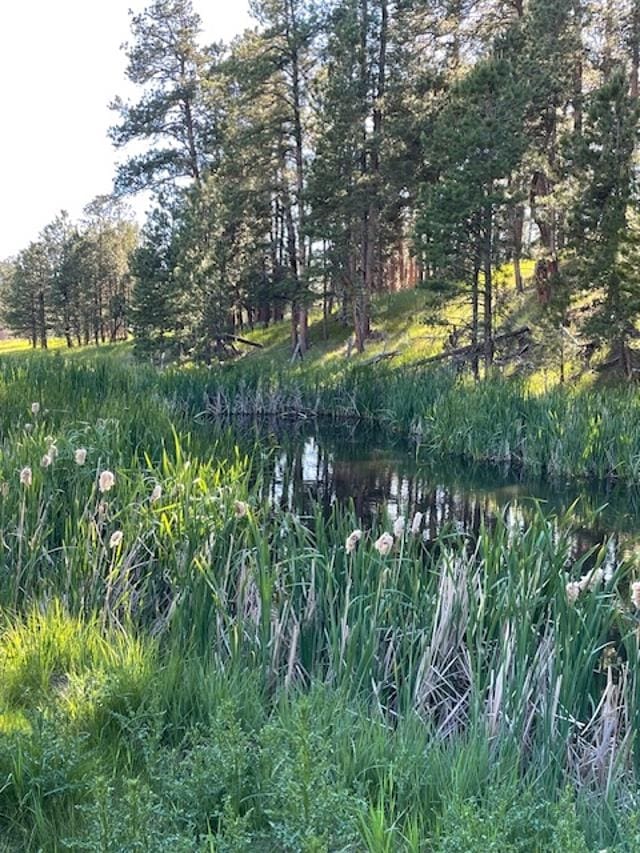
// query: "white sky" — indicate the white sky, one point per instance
point(60, 66)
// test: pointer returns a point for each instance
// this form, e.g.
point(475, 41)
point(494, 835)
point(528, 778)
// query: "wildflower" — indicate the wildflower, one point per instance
point(573, 589)
point(35, 408)
point(46, 461)
point(384, 544)
point(156, 494)
point(80, 456)
point(116, 539)
point(398, 527)
point(352, 541)
point(26, 476)
point(106, 481)
point(635, 594)
point(416, 523)
point(240, 508)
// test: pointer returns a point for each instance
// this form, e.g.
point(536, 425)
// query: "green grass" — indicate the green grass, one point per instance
point(227, 676)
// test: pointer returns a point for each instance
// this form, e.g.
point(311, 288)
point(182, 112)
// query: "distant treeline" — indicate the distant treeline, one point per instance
point(74, 280)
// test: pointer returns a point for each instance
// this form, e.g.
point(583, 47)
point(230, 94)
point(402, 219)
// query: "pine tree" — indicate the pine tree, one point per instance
point(166, 62)
point(604, 229)
point(474, 146)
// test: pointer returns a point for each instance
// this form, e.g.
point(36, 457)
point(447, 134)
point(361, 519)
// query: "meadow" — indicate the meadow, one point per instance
point(185, 667)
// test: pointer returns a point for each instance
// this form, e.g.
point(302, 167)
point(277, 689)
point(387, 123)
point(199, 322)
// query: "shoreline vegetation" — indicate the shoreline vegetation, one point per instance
point(186, 667)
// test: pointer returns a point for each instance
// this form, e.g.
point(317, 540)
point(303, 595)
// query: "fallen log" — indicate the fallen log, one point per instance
point(382, 356)
point(472, 349)
point(229, 337)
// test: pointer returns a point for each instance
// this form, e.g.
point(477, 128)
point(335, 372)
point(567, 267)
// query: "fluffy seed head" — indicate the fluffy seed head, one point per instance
point(573, 589)
point(416, 524)
point(635, 594)
point(106, 481)
point(240, 509)
point(35, 408)
point(116, 539)
point(80, 456)
point(352, 541)
point(384, 544)
point(156, 494)
point(26, 476)
point(46, 461)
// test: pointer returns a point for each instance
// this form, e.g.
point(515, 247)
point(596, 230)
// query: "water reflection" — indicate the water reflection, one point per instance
point(306, 464)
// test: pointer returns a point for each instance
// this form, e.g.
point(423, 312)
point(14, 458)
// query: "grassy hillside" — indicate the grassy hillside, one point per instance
point(414, 325)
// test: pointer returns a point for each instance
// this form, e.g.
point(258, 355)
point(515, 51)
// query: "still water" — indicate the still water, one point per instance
point(307, 463)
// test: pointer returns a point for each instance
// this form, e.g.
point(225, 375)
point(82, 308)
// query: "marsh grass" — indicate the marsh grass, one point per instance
point(226, 680)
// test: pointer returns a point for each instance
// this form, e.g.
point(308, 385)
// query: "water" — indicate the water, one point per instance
point(308, 463)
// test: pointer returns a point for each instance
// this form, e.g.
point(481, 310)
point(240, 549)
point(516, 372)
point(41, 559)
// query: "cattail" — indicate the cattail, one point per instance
point(116, 539)
point(240, 509)
point(106, 481)
point(635, 594)
point(46, 461)
point(573, 589)
point(80, 456)
point(156, 494)
point(352, 541)
point(35, 408)
point(591, 580)
point(398, 527)
point(384, 544)
point(416, 523)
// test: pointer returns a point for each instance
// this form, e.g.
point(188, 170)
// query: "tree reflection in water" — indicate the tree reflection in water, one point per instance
point(306, 463)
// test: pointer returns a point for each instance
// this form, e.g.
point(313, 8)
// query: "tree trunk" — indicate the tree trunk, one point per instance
point(42, 320)
point(488, 289)
point(292, 38)
point(517, 227)
point(474, 320)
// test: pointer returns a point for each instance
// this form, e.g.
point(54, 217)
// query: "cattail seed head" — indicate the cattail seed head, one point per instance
point(573, 590)
point(106, 481)
point(384, 544)
point(240, 509)
point(352, 541)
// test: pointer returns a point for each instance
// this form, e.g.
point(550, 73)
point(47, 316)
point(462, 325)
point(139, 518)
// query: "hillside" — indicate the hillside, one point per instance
point(412, 326)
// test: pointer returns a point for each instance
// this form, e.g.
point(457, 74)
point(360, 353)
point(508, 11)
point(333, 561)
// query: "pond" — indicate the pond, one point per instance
point(307, 463)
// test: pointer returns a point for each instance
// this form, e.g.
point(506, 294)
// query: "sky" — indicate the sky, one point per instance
point(60, 66)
